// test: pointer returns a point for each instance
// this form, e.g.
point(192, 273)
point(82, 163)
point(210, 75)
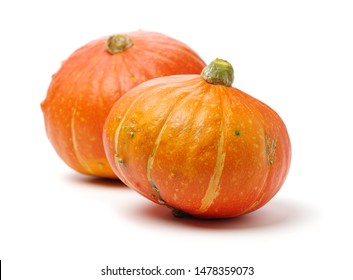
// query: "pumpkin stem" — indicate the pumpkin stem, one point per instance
point(118, 43)
point(218, 72)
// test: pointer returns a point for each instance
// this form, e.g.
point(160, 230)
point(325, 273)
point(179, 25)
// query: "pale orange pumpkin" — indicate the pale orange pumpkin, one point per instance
point(88, 83)
point(198, 145)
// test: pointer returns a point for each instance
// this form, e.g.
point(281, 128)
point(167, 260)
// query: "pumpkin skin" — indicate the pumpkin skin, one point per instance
point(88, 83)
point(206, 150)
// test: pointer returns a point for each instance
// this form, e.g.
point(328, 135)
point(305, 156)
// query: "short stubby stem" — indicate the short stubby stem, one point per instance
point(118, 43)
point(219, 72)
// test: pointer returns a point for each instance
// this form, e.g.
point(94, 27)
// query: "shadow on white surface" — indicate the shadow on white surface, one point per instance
point(91, 181)
point(277, 213)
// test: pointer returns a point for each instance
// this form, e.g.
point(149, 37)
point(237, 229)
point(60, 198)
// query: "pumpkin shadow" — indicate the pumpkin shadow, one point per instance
point(92, 181)
point(277, 213)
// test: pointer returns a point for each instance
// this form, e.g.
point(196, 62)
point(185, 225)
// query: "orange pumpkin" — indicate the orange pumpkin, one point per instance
point(88, 83)
point(198, 145)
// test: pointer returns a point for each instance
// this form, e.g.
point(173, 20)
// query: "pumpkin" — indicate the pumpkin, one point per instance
point(88, 83)
point(198, 145)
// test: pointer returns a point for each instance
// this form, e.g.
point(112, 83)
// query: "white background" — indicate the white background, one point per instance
point(297, 56)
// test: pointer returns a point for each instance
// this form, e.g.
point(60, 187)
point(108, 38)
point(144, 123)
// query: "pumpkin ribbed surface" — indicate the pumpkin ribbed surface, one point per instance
point(88, 83)
point(211, 151)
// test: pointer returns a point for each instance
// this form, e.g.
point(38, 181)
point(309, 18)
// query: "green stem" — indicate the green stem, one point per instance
point(218, 72)
point(118, 43)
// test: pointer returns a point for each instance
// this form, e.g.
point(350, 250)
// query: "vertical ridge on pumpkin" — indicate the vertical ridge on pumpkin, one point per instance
point(214, 185)
point(270, 143)
point(152, 156)
point(117, 159)
point(75, 145)
point(158, 140)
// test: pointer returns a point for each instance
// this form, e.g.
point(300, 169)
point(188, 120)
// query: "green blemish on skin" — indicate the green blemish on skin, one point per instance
point(176, 212)
point(237, 133)
point(121, 161)
point(132, 134)
point(156, 190)
point(270, 145)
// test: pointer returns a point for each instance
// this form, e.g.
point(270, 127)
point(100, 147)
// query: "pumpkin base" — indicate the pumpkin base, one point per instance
point(177, 213)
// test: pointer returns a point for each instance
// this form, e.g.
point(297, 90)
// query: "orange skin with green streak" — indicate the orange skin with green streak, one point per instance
point(88, 83)
point(211, 151)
